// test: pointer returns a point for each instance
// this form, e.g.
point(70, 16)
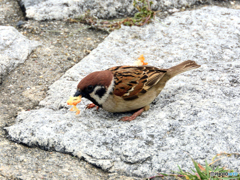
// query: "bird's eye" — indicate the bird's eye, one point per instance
point(89, 88)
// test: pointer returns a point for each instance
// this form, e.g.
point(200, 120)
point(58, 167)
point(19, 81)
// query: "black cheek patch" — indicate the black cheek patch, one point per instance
point(100, 92)
point(93, 100)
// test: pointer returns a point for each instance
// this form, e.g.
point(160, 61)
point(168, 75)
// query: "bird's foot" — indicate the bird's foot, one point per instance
point(92, 105)
point(132, 117)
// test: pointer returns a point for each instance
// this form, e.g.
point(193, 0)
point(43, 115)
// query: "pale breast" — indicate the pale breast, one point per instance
point(118, 104)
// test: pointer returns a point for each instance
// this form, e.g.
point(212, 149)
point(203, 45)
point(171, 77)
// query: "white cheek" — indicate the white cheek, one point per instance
point(96, 97)
point(105, 96)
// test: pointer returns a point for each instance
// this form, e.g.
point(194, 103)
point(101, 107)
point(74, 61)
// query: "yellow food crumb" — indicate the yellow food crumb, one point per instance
point(140, 61)
point(74, 101)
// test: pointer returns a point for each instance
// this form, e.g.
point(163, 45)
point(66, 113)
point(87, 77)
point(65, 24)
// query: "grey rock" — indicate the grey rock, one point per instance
point(20, 24)
point(59, 9)
point(14, 49)
point(196, 115)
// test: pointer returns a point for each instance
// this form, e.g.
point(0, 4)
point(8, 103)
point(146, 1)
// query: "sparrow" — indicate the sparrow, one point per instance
point(128, 88)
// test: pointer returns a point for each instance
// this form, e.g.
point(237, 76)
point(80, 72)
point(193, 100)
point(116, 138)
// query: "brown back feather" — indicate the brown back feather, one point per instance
point(137, 80)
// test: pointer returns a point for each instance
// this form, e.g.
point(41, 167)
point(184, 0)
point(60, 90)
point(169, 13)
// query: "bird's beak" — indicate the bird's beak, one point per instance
point(78, 93)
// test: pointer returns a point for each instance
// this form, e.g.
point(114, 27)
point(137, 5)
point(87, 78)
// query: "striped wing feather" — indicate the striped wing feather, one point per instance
point(132, 81)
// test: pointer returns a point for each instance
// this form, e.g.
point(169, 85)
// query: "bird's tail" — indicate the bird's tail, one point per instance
point(182, 67)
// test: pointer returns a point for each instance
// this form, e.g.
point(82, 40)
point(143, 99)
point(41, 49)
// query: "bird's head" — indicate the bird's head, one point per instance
point(96, 86)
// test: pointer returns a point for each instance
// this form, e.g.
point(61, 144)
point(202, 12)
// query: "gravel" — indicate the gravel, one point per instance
point(196, 115)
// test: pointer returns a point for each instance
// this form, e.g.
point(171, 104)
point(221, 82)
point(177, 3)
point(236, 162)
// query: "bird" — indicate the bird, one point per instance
point(128, 88)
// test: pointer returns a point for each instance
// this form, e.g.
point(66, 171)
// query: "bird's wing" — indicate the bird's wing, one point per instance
point(133, 81)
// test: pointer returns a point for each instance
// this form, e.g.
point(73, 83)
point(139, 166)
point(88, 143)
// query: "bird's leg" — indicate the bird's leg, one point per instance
point(89, 106)
point(92, 105)
point(132, 117)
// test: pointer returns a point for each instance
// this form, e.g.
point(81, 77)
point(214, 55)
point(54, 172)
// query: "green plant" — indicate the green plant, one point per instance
point(144, 16)
point(203, 173)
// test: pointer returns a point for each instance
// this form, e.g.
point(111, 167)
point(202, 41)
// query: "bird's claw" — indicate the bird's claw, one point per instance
point(92, 105)
point(132, 117)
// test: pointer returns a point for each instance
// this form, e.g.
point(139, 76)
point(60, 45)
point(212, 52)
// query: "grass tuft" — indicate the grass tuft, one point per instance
point(203, 173)
point(144, 16)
